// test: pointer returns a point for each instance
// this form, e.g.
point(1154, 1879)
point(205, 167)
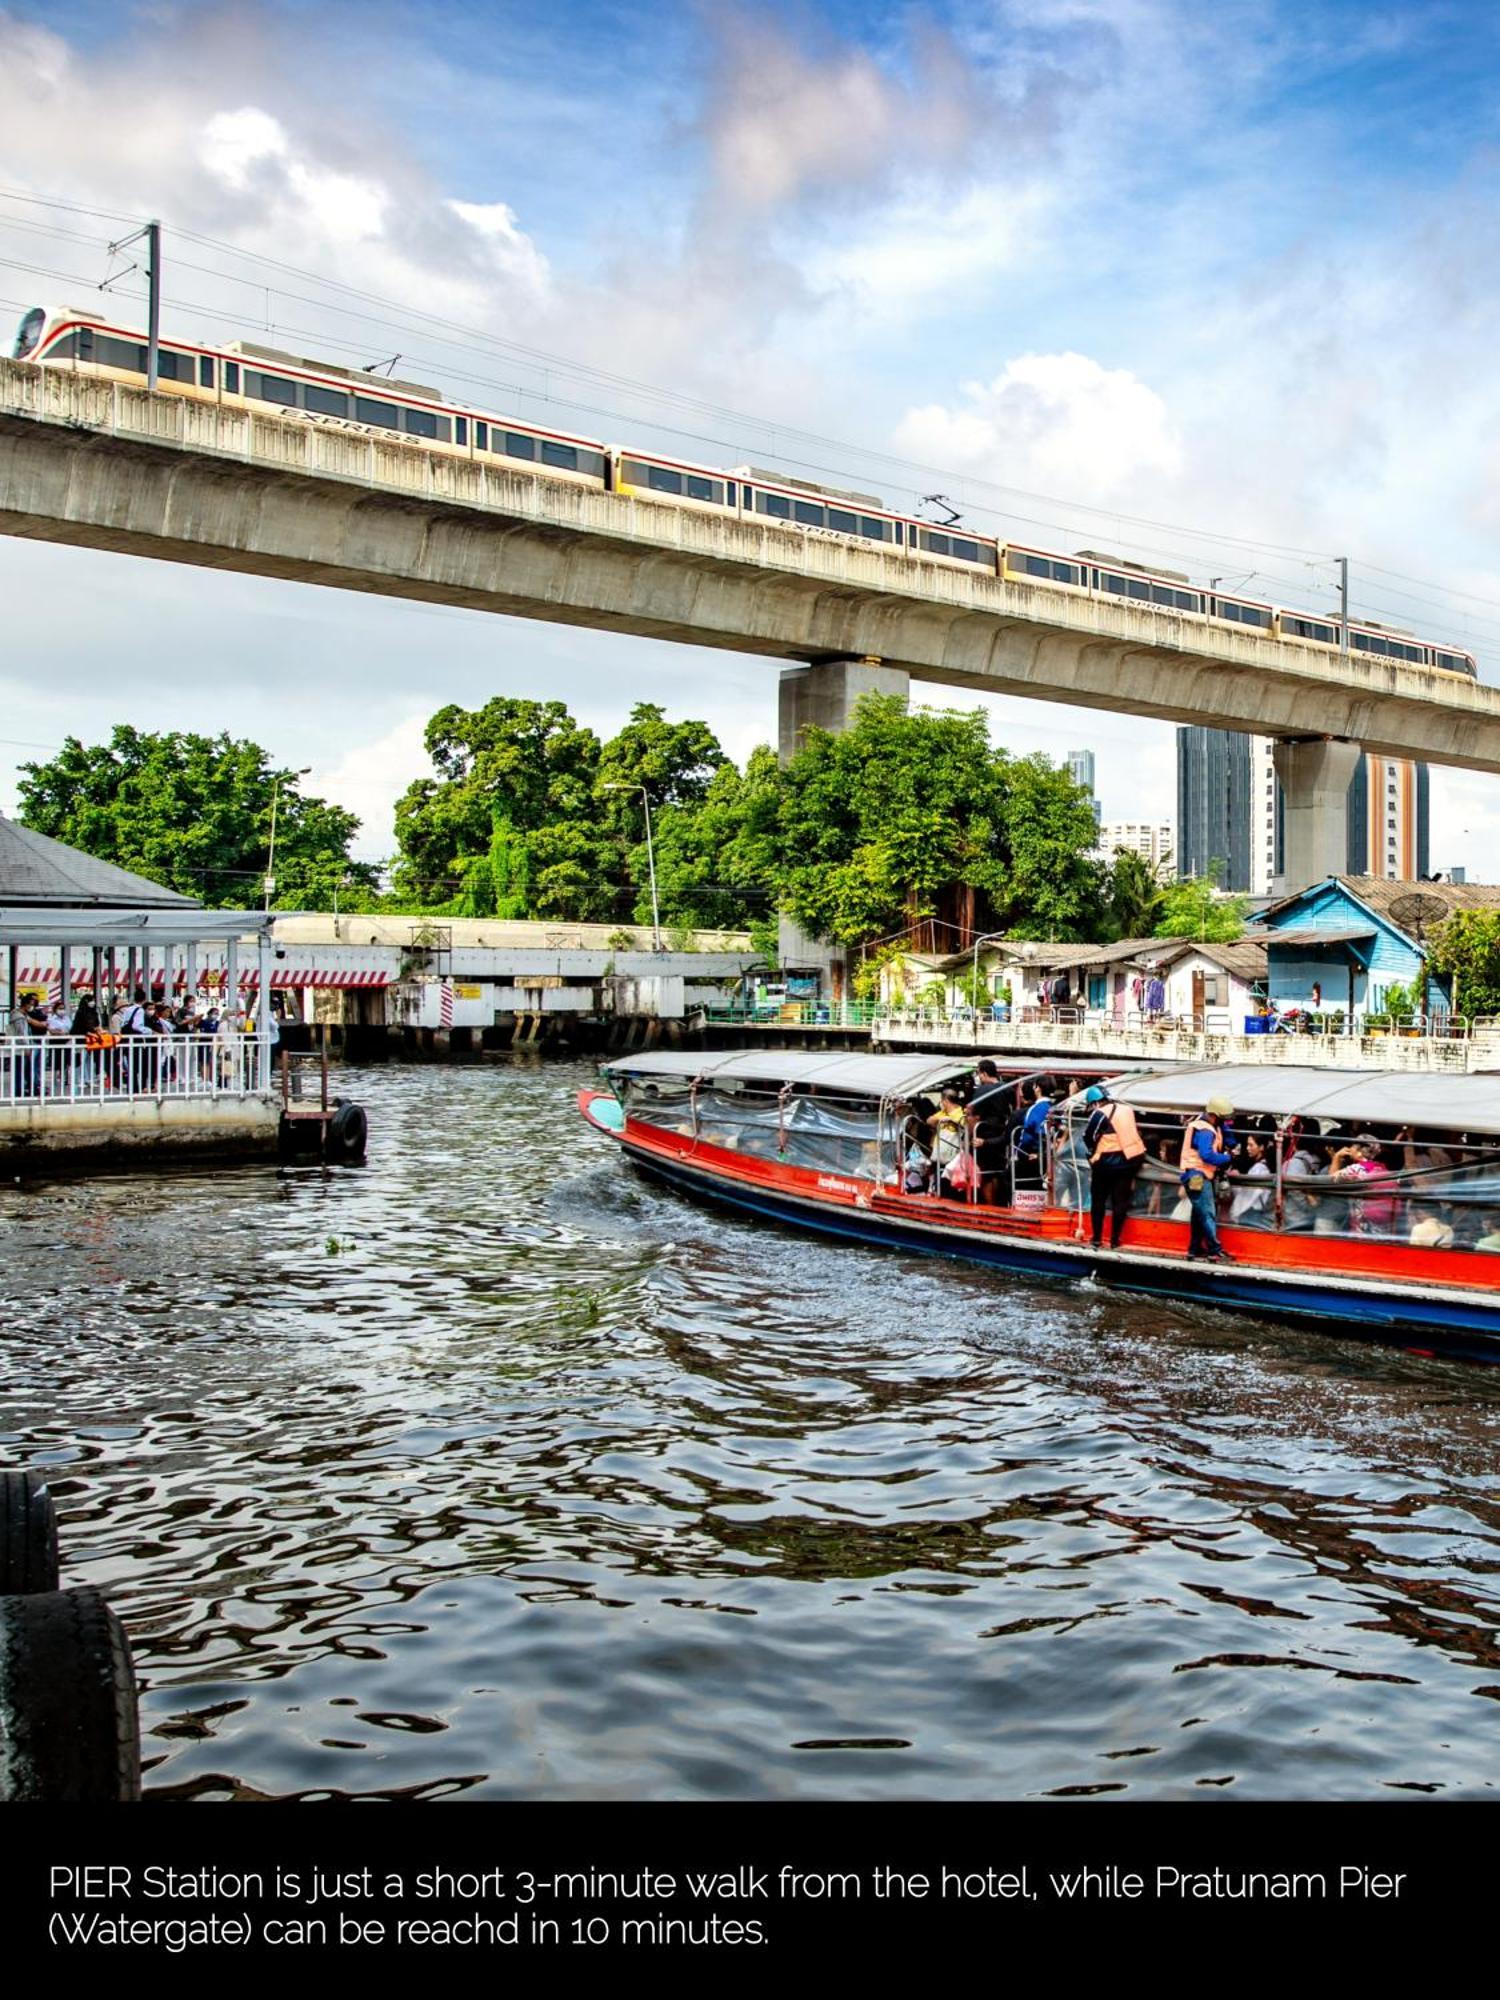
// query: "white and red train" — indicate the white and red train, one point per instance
point(248, 376)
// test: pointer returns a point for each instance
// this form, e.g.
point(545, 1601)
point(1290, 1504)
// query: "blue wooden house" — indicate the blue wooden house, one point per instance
point(1343, 943)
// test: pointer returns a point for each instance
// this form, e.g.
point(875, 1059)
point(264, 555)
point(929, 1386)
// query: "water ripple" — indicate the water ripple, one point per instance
point(494, 1470)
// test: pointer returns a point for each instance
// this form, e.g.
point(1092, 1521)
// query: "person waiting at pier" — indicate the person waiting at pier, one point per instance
point(1207, 1150)
point(1115, 1150)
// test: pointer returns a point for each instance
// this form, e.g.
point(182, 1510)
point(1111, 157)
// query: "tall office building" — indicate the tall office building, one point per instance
point(1213, 805)
point(1230, 808)
point(1081, 771)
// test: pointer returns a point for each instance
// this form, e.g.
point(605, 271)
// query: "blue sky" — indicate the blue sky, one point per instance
point(1228, 270)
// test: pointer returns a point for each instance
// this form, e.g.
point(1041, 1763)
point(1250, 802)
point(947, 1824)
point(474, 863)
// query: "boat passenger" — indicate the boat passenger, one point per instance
point(1115, 1151)
point(1029, 1143)
point(1300, 1204)
point(1374, 1213)
point(1431, 1233)
point(1251, 1205)
point(1158, 1180)
point(947, 1130)
point(1206, 1152)
point(989, 1115)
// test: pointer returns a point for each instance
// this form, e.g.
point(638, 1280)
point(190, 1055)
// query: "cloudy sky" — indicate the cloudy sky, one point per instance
point(1215, 285)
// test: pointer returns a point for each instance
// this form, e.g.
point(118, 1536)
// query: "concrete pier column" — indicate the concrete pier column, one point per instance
point(1316, 773)
point(824, 696)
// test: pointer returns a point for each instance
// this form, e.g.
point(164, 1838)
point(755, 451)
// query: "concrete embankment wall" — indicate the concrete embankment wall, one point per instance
point(52, 1131)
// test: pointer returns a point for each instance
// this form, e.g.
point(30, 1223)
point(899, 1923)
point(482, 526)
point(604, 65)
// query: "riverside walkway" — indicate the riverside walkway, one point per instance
point(1446, 1045)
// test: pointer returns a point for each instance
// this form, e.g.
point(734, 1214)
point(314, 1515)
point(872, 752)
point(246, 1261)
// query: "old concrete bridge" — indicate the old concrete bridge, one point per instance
point(101, 465)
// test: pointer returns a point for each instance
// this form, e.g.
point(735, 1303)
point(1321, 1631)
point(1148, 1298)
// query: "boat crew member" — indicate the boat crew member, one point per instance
point(1206, 1153)
point(1115, 1150)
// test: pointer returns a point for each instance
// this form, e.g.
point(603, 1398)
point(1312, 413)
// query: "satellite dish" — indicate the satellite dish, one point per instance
point(1416, 913)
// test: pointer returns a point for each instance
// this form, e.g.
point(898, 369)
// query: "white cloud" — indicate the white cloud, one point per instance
point(1055, 423)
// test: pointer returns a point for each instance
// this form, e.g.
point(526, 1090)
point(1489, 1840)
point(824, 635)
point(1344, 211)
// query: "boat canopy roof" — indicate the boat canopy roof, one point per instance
point(857, 1075)
point(1349, 1097)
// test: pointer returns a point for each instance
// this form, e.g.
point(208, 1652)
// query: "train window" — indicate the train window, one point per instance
point(703, 489)
point(899, 534)
point(1138, 588)
point(325, 402)
point(843, 521)
point(964, 551)
point(461, 429)
point(775, 504)
point(808, 515)
point(936, 544)
point(878, 531)
point(205, 371)
point(420, 423)
point(729, 491)
point(172, 366)
point(481, 435)
point(1456, 663)
point(64, 349)
point(127, 354)
point(1308, 628)
point(271, 389)
point(662, 480)
point(368, 411)
point(1161, 595)
point(515, 445)
point(1118, 584)
point(232, 378)
point(564, 456)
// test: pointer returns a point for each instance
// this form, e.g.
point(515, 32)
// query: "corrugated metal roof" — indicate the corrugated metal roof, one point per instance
point(37, 871)
point(1351, 1097)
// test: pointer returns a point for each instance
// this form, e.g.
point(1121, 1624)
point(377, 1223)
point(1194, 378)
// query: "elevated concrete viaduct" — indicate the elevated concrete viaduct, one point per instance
point(99, 465)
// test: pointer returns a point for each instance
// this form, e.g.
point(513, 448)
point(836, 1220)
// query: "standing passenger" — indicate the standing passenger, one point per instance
point(1205, 1153)
point(1115, 1150)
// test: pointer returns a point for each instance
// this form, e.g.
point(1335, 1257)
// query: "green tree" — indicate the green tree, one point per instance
point(194, 813)
point(1194, 908)
point(508, 827)
point(877, 822)
point(714, 857)
point(1465, 950)
point(1133, 895)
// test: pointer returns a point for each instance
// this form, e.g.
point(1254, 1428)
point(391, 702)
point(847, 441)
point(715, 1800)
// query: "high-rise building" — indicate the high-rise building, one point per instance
point(1152, 840)
point(1230, 808)
point(1213, 805)
point(1081, 771)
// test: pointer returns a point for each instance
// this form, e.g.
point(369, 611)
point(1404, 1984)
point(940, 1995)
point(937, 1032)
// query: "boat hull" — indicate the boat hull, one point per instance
point(1424, 1317)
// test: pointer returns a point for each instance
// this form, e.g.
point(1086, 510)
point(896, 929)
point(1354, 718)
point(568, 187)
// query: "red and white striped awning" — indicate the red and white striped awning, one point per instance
point(210, 979)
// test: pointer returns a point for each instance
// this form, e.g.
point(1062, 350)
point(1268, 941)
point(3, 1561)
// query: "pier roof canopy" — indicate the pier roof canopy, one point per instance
point(187, 924)
point(43, 873)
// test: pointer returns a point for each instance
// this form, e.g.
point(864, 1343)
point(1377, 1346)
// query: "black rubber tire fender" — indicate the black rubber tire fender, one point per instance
point(28, 1535)
point(69, 1720)
point(348, 1132)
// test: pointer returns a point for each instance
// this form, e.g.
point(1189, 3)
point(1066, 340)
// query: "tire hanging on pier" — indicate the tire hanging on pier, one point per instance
point(348, 1133)
point(28, 1536)
point(68, 1711)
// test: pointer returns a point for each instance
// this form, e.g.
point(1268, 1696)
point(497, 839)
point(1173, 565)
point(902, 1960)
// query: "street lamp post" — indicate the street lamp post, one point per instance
point(987, 937)
point(271, 856)
point(624, 785)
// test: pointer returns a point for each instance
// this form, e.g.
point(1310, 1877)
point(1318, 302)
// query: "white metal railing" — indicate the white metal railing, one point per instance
point(69, 1069)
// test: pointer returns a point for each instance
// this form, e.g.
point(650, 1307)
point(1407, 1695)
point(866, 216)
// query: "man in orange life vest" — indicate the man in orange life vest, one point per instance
point(1207, 1149)
point(1115, 1150)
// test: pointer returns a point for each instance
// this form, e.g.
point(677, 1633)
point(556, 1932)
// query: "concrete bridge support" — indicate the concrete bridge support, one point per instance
point(1316, 773)
point(824, 696)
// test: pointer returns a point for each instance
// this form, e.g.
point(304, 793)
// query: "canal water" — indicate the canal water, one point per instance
point(492, 1470)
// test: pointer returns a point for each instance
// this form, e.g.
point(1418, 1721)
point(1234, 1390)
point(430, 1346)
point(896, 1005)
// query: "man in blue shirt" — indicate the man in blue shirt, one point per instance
point(1207, 1150)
